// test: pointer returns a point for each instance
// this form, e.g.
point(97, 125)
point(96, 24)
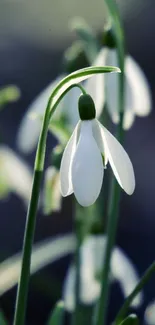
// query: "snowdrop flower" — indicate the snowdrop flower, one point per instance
point(137, 93)
point(150, 314)
point(88, 151)
point(92, 255)
point(15, 175)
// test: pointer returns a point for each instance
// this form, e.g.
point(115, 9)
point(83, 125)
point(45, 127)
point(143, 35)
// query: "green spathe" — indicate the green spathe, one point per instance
point(86, 107)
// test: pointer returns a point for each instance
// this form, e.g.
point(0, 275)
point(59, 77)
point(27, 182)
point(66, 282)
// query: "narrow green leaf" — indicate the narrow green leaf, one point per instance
point(44, 253)
point(130, 320)
point(2, 319)
point(124, 309)
point(57, 315)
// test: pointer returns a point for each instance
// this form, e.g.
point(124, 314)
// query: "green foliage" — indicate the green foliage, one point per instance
point(57, 315)
point(2, 319)
point(130, 320)
point(85, 33)
point(8, 94)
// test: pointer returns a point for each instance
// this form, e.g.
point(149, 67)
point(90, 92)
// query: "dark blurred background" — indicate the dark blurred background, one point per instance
point(33, 36)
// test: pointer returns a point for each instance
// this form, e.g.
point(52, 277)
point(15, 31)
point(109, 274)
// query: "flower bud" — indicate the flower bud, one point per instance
point(109, 38)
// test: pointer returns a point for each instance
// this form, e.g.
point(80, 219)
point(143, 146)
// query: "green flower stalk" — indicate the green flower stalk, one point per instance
point(114, 199)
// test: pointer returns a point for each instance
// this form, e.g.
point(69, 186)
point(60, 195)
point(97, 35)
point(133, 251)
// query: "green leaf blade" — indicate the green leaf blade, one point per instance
point(57, 315)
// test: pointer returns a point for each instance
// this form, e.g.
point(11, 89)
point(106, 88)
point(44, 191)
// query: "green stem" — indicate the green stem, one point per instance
point(100, 317)
point(146, 277)
point(114, 199)
point(76, 313)
point(22, 293)
point(28, 241)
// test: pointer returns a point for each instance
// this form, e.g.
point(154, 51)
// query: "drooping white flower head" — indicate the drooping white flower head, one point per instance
point(150, 314)
point(91, 260)
point(106, 88)
point(82, 166)
point(15, 175)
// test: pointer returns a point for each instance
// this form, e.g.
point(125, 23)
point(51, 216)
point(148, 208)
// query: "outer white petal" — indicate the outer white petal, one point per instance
point(119, 161)
point(124, 271)
point(111, 87)
point(89, 286)
point(129, 117)
point(66, 162)
point(29, 129)
point(69, 289)
point(95, 86)
point(87, 167)
point(99, 140)
point(112, 91)
point(150, 314)
point(44, 253)
point(141, 96)
point(15, 172)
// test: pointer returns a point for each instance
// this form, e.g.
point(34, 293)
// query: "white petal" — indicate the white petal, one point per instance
point(129, 117)
point(91, 245)
point(44, 253)
point(69, 289)
point(95, 86)
point(65, 168)
point(89, 289)
point(29, 129)
point(150, 314)
point(112, 93)
point(124, 271)
point(15, 172)
point(98, 137)
point(141, 96)
point(111, 88)
point(87, 167)
point(119, 161)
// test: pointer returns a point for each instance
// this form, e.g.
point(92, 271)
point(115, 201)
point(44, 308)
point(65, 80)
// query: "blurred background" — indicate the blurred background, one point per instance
point(33, 37)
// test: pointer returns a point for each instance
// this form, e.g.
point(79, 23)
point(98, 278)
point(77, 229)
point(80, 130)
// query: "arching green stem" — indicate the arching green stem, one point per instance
point(22, 292)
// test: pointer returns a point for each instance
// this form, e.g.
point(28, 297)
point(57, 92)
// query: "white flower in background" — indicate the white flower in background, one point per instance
point(15, 175)
point(82, 166)
point(150, 314)
point(92, 254)
point(29, 130)
point(105, 88)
